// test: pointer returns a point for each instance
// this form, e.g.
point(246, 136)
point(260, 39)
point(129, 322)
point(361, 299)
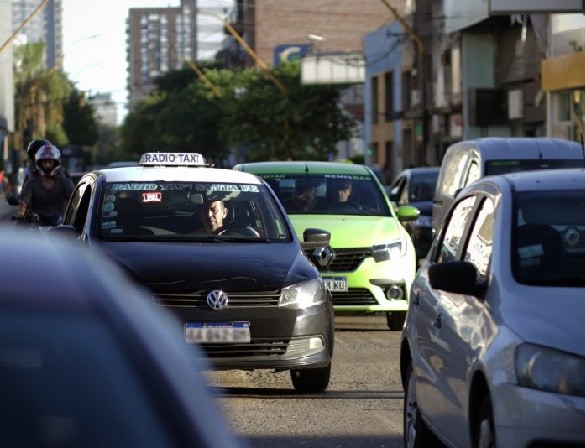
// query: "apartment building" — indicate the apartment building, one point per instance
point(162, 39)
point(45, 26)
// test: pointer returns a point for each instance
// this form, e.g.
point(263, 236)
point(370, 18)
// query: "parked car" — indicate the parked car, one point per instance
point(469, 160)
point(492, 352)
point(88, 359)
point(416, 187)
point(215, 247)
point(370, 262)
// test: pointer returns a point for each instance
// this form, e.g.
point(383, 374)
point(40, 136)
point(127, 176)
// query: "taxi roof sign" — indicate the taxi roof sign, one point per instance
point(172, 159)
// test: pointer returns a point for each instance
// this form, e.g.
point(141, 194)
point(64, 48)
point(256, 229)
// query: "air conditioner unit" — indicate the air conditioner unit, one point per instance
point(515, 104)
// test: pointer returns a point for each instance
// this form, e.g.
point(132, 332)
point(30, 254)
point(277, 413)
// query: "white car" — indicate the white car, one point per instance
point(492, 351)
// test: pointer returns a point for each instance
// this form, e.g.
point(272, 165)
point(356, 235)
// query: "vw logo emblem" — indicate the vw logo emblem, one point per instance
point(217, 299)
point(323, 256)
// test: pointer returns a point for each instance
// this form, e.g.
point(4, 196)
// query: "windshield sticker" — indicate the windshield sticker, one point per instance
point(108, 224)
point(196, 187)
point(133, 187)
point(110, 198)
point(108, 207)
point(152, 196)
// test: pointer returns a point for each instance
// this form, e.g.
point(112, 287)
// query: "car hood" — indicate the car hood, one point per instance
point(183, 266)
point(350, 231)
point(550, 317)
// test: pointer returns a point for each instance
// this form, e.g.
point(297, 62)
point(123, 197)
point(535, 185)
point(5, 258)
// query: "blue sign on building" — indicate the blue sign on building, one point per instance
point(290, 52)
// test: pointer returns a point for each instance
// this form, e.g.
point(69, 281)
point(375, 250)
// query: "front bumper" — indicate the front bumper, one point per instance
point(533, 418)
point(280, 338)
point(369, 283)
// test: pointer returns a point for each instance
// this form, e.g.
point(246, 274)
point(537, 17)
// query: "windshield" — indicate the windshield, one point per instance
point(549, 238)
point(494, 167)
point(191, 211)
point(422, 186)
point(329, 194)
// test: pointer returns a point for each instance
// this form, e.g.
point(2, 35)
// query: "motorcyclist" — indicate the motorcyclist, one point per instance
point(47, 189)
point(31, 151)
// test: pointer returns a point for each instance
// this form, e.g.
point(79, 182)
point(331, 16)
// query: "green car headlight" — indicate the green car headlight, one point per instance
point(389, 251)
point(550, 370)
point(304, 295)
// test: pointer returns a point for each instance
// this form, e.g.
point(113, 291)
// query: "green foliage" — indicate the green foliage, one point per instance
point(80, 125)
point(250, 111)
point(46, 103)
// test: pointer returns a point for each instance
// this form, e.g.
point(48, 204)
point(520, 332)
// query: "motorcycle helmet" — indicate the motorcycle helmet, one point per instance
point(48, 152)
point(34, 146)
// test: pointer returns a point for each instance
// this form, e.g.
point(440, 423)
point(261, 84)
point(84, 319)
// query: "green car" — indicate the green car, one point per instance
point(369, 264)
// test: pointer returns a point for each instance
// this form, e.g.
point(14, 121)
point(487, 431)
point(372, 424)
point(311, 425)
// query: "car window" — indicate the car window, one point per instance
point(329, 194)
point(453, 232)
point(549, 238)
point(473, 173)
point(398, 187)
point(422, 186)
point(479, 246)
point(494, 167)
point(189, 211)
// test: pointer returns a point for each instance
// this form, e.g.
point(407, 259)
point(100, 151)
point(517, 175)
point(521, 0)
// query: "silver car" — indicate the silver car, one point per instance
point(492, 350)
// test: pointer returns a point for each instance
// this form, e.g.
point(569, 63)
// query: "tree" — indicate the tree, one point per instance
point(39, 97)
point(251, 112)
point(80, 123)
point(302, 122)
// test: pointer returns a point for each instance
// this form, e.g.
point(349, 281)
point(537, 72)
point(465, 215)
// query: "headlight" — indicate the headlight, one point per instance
point(304, 295)
point(389, 251)
point(550, 370)
point(423, 221)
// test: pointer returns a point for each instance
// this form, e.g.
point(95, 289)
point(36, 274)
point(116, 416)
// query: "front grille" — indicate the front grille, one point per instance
point(345, 260)
point(236, 299)
point(256, 347)
point(354, 296)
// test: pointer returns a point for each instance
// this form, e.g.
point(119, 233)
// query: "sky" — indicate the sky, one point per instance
point(94, 44)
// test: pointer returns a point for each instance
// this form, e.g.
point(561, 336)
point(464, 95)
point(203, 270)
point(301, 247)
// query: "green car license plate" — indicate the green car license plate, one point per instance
point(217, 332)
point(335, 284)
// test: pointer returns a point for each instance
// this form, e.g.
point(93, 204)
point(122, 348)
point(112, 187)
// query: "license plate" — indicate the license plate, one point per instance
point(335, 284)
point(217, 332)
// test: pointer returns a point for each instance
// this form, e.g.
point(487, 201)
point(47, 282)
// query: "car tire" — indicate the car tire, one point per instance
point(416, 432)
point(395, 320)
point(311, 380)
point(485, 425)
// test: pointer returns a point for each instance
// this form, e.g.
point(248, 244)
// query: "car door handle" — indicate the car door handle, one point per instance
point(438, 322)
point(416, 297)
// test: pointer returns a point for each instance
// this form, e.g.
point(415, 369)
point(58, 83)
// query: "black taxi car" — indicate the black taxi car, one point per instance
point(216, 248)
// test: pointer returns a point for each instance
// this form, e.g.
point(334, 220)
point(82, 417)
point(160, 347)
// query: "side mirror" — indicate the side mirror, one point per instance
point(314, 238)
point(458, 277)
point(407, 213)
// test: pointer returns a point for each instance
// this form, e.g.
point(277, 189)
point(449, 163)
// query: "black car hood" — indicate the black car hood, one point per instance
point(425, 207)
point(181, 266)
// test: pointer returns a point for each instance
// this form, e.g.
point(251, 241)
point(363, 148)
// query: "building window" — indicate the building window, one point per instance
point(406, 90)
point(389, 96)
point(375, 95)
point(389, 155)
